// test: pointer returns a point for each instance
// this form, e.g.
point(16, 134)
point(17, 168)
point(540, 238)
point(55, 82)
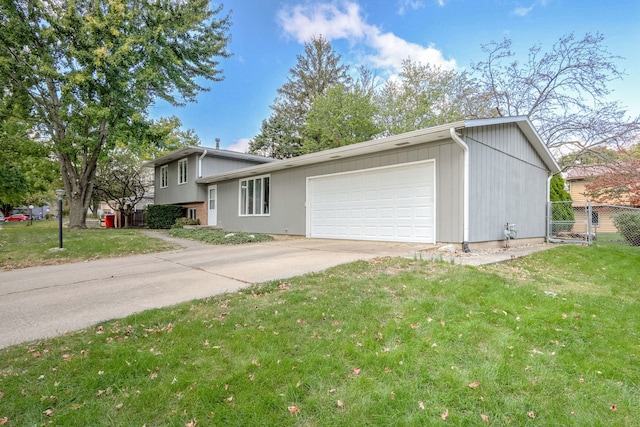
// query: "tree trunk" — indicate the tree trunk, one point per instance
point(78, 189)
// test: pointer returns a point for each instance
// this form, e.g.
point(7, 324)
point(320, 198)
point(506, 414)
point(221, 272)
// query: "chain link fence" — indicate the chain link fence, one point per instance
point(586, 222)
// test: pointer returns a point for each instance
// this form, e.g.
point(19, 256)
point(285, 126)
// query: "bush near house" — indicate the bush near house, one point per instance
point(628, 224)
point(181, 222)
point(163, 216)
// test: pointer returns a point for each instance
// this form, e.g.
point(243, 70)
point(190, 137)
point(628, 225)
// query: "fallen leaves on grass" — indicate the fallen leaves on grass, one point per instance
point(3, 421)
point(293, 410)
point(474, 385)
point(356, 371)
point(485, 418)
point(340, 404)
point(48, 412)
point(445, 415)
point(421, 405)
point(531, 414)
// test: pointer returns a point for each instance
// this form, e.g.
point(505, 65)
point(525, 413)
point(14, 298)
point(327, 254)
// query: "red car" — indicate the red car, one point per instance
point(17, 217)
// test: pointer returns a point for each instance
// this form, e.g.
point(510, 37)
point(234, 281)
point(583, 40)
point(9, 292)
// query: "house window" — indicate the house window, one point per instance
point(164, 176)
point(191, 213)
point(595, 218)
point(255, 196)
point(182, 171)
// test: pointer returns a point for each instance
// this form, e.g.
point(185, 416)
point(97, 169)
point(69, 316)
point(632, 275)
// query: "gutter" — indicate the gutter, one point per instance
point(465, 207)
point(204, 153)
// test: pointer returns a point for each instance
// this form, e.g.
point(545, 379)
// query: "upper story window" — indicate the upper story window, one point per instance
point(255, 196)
point(164, 176)
point(182, 171)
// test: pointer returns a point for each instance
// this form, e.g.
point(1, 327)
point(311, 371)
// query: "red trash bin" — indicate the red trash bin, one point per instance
point(108, 220)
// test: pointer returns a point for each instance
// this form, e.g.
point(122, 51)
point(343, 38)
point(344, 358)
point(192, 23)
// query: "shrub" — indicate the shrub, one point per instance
point(163, 216)
point(181, 222)
point(628, 224)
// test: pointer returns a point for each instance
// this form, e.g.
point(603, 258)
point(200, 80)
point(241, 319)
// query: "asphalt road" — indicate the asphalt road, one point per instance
point(41, 302)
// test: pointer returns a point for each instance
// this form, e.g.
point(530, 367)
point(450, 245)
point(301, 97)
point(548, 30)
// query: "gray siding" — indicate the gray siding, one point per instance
point(507, 181)
point(288, 191)
point(214, 165)
point(174, 193)
point(191, 192)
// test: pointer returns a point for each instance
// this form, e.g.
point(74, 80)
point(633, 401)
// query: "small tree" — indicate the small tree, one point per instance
point(620, 186)
point(121, 182)
point(561, 207)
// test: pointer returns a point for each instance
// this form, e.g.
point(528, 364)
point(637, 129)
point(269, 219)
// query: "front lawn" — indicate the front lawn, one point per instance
point(26, 245)
point(552, 339)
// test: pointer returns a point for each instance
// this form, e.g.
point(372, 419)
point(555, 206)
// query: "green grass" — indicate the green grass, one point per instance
point(24, 245)
point(552, 339)
point(218, 237)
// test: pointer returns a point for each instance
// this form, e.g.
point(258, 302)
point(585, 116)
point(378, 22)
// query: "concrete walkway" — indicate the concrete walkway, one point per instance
point(41, 302)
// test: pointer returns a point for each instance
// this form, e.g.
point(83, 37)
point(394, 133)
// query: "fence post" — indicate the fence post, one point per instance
point(589, 220)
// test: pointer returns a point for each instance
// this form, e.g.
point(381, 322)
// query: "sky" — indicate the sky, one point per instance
point(266, 36)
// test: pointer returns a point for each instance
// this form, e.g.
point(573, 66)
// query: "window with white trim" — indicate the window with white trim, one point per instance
point(255, 196)
point(164, 176)
point(182, 171)
point(191, 213)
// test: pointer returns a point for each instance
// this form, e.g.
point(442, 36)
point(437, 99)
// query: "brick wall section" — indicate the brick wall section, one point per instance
point(202, 213)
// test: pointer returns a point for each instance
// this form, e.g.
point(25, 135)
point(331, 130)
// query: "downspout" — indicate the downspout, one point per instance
point(465, 196)
point(204, 153)
point(549, 207)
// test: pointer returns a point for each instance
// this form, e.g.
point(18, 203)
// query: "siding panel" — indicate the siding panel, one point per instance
point(288, 191)
point(507, 183)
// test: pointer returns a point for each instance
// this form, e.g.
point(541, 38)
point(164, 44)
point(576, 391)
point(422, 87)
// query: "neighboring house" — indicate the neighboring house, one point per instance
point(176, 176)
point(602, 211)
point(456, 183)
point(578, 177)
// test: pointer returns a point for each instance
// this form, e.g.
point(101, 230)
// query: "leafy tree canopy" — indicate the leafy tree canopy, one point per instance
point(87, 71)
point(317, 70)
point(340, 117)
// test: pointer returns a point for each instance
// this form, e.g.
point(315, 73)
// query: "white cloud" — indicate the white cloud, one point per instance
point(523, 11)
point(241, 145)
point(305, 22)
point(344, 21)
point(405, 5)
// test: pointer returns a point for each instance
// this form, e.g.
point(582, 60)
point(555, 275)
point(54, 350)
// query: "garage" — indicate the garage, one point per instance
point(394, 204)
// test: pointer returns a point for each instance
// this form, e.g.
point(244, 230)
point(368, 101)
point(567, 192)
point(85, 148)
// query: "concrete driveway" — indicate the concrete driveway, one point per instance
point(42, 302)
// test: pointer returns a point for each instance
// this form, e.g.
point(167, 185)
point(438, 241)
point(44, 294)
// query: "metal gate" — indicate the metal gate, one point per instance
point(583, 222)
point(570, 222)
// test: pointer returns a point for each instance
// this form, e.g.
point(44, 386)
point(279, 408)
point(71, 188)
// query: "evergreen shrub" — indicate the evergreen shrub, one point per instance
point(163, 216)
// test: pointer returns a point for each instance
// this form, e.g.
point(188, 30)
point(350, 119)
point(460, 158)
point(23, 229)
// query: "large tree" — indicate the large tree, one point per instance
point(565, 92)
point(317, 70)
point(90, 69)
point(424, 95)
point(342, 116)
point(27, 175)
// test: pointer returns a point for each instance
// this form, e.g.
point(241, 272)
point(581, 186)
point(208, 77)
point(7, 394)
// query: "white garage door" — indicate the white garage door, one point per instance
point(395, 204)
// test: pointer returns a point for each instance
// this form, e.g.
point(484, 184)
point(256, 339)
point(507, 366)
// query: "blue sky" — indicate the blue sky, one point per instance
point(267, 35)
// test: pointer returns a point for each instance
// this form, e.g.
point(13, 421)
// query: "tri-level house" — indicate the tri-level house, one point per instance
point(177, 175)
point(457, 183)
